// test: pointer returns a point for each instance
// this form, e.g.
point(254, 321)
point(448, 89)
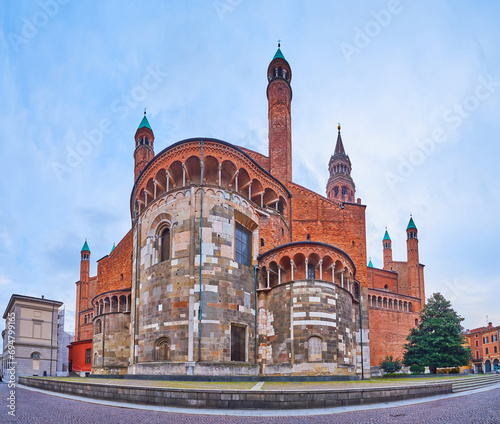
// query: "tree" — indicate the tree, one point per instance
point(438, 340)
point(391, 365)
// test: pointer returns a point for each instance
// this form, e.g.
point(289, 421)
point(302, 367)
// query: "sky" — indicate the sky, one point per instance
point(414, 84)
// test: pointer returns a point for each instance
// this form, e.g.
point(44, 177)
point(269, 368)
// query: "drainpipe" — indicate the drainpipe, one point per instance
point(51, 339)
point(361, 333)
point(256, 308)
point(291, 231)
point(201, 254)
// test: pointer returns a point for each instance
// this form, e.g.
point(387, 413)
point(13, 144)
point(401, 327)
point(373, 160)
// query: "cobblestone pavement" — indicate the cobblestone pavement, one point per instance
point(38, 408)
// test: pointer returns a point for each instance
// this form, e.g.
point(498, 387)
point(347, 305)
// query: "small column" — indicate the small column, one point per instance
point(220, 174)
point(126, 303)
point(279, 275)
point(261, 200)
point(250, 191)
point(321, 269)
point(145, 198)
point(342, 278)
point(268, 271)
point(291, 267)
point(307, 268)
point(168, 181)
point(154, 192)
point(183, 175)
point(236, 181)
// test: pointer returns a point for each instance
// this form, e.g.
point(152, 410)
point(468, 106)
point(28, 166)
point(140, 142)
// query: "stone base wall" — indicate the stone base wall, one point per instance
point(239, 399)
point(193, 368)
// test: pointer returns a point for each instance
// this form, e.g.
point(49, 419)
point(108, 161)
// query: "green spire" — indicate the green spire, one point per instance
point(145, 123)
point(85, 247)
point(370, 265)
point(279, 55)
point(386, 236)
point(411, 224)
point(113, 248)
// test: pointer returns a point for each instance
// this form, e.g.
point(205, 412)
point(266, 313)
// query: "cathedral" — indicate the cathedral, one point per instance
point(231, 268)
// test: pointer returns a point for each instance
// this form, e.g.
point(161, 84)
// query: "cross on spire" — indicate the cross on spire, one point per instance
point(279, 43)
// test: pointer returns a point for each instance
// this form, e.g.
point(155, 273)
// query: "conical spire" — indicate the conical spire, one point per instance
point(145, 122)
point(339, 148)
point(85, 247)
point(370, 265)
point(113, 248)
point(411, 224)
point(386, 236)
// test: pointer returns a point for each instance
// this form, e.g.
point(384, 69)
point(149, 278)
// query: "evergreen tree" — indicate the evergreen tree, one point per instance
point(437, 342)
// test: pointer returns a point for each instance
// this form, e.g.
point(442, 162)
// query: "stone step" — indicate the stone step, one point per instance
point(475, 383)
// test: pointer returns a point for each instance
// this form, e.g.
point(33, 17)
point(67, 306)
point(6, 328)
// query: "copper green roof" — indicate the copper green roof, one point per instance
point(85, 247)
point(113, 248)
point(386, 236)
point(145, 123)
point(279, 55)
point(370, 265)
point(411, 224)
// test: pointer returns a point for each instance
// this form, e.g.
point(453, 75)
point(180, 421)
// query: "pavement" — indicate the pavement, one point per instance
point(476, 406)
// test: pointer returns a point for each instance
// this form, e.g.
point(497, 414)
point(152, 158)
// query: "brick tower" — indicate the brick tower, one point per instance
point(279, 96)
point(340, 185)
point(144, 146)
point(387, 243)
point(414, 283)
point(82, 286)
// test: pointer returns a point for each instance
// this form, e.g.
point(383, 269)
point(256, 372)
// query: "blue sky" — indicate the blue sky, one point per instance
point(416, 86)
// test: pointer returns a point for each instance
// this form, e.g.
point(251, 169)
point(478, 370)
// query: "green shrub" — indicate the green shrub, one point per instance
point(391, 365)
point(417, 369)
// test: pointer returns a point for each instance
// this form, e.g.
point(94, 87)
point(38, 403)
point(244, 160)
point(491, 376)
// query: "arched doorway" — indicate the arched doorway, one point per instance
point(487, 366)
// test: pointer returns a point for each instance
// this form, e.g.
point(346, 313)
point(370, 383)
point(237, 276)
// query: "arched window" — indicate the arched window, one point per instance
point(314, 350)
point(35, 355)
point(98, 327)
point(165, 245)
point(336, 191)
point(95, 358)
point(162, 349)
point(356, 290)
point(311, 269)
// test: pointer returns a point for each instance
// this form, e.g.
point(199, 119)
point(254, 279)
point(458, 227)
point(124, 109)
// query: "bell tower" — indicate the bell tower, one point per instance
point(82, 287)
point(340, 185)
point(144, 146)
point(387, 243)
point(415, 279)
point(279, 96)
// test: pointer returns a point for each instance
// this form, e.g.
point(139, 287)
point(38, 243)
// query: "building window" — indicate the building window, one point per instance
point(494, 338)
point(238, 343)
point(314, 351)
point(35, 356)
point(88, 355)
point(262, 242)
point(477, 343)
point(477, 354)
point(495, 349)
point(165, 245)
point(485, 339)
point(487, 351)
point(311, 269)
point(243, 245)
